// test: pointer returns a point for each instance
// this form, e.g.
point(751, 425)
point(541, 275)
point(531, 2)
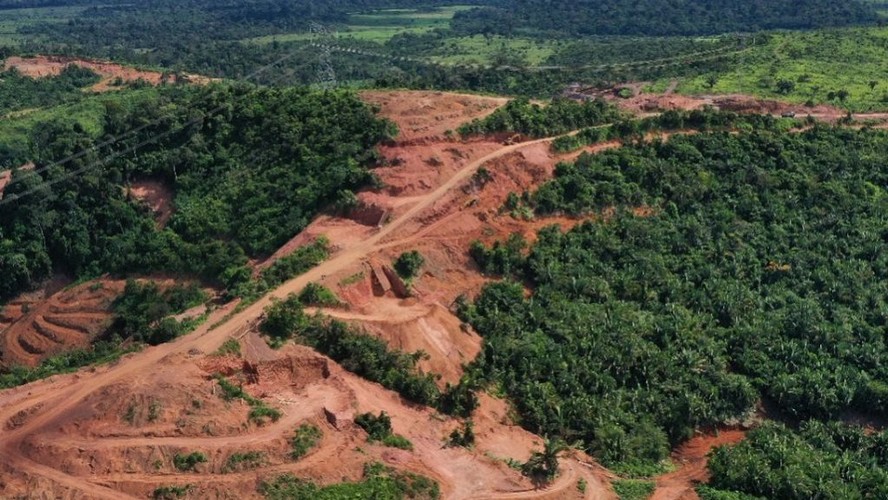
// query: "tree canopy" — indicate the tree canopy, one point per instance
point(753, 271)
point(248, 168)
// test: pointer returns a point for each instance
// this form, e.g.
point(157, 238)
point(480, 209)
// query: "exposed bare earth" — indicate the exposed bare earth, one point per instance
point(43, 66)
point(157, 196)
point(644, 103)
point(691, 458)
point(32, 328)
point(110, 432)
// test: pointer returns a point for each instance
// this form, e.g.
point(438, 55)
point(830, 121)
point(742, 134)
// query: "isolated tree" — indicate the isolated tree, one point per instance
point(542, 466)
point(408, 264)
point(785, 86)
point(711, 80)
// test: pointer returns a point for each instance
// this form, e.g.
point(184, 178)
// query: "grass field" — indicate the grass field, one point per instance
point(380, 26)
point(13, 19)
point(479, 49)
point(809, 66)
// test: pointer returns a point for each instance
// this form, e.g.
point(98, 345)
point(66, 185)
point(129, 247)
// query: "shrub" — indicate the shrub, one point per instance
point(245, 460)
point(306, 437)
point(379, 428)
point(188, 462)
point(408, 264)
point(633, 489)
point(318, 295)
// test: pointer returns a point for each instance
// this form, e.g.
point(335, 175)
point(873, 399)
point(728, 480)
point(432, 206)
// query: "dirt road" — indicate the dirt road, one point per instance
point(42, 411)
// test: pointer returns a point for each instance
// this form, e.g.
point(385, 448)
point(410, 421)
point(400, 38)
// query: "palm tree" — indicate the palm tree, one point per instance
point(542, 466)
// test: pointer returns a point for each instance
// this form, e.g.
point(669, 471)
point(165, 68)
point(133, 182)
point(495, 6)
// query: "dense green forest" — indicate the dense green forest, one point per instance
point(249, 168)
point(658, 17)
point(755, 273)
point(821, 460)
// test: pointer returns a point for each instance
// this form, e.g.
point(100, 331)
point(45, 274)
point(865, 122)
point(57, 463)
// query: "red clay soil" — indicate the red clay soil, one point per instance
point(5, 177)
point(691, 458)
point(646, 103)
point(43, 66)
point(31, 330)
point(157, 196)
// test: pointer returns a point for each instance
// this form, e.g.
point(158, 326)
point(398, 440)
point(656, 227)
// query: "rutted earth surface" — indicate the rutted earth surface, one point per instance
point(111, 431)
point(34, 329)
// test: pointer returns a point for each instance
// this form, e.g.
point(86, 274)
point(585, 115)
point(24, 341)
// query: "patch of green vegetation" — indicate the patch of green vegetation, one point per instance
point(14, 23)
point(307, 436)
point(379, 26)
point(285, 268)
point(154, 410)
point(259, 411)
point(244, 461)
point(842, 67)
point(706, 492)
point(719, 289)
point(99, 353)
point(408, 264)
point(464, 437)
point(171, 492)
point(353, 279)
point(521, 116)
point(633, 489)
point(143, 311)
point(230, 347)
point(640, 469)
point(379, 483)
point(318, 295)
point(188, 462)
point(816, 460)
point(379, 429)
point(266, 189)
point(493, 50)
point(19, 92)
point(542, 466)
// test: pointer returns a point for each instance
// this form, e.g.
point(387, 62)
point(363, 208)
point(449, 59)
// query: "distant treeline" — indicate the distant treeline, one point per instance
point(657, 17)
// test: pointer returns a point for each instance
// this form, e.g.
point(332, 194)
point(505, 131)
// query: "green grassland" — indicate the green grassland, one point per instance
point(13, 19)
point(816, 63)
point(381, 25)
point(481, 49)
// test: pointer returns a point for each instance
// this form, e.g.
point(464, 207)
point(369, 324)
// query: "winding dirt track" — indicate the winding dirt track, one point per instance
point(48, 408)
